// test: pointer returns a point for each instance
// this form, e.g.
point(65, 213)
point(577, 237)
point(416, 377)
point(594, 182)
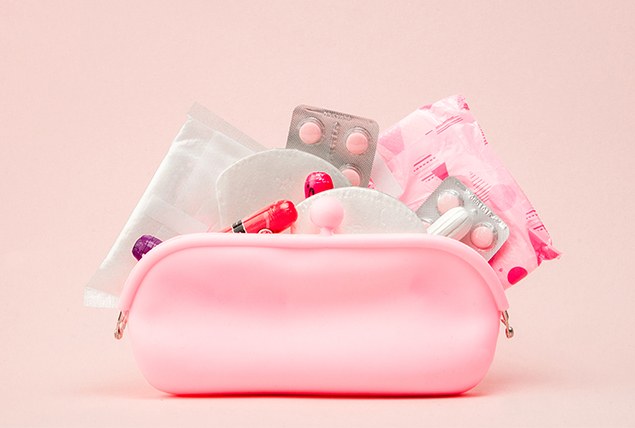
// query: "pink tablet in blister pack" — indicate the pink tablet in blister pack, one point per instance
point(346, 141)
point(444, 139)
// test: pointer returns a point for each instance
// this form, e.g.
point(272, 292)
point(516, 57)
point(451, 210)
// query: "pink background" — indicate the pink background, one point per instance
point(92, 94)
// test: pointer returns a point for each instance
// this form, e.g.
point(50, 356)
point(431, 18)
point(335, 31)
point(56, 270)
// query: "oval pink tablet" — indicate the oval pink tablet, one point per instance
point(310, 132)
point(353, 176)
point(357, 142)
point(482, 237)
point(447, 201)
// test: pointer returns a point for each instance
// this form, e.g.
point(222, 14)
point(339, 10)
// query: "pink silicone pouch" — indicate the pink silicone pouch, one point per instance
point(408, 314)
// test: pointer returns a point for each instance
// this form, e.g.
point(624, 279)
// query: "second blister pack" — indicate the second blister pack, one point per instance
point(348, 142)
point(485, 231)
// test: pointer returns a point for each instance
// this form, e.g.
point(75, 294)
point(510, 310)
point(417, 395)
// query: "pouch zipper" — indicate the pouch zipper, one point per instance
point(122, 321)
point(509, 330)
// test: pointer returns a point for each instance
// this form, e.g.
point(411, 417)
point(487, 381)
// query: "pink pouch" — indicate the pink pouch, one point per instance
point(406, 314)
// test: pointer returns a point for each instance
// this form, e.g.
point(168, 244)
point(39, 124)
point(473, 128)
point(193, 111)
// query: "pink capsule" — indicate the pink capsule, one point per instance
point(317, 182)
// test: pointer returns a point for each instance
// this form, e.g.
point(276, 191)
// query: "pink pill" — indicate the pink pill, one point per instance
point(353, 176)
point(310, 132)
point(447, 201)
point(482, 237)
point(357, 142)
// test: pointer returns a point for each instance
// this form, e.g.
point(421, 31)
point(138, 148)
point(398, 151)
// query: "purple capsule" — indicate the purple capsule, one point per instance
point(143, 245)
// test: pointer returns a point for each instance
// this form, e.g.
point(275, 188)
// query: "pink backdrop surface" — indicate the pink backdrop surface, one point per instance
point(92, 94)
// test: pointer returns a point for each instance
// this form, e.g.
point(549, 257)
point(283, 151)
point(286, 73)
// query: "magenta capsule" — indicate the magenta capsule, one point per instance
point(317, 182)
point(273, 218)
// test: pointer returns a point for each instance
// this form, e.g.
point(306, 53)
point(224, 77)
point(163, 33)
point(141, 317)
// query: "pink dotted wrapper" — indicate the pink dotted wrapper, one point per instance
point(444, 139)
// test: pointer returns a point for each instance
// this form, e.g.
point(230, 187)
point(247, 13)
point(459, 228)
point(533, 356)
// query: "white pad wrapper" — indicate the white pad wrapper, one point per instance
point(365, 211)
point(181, 197)
point(256, 181)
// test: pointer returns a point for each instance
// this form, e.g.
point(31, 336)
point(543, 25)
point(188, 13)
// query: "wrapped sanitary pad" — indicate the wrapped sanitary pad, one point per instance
point(444, 139)
point(180, 199)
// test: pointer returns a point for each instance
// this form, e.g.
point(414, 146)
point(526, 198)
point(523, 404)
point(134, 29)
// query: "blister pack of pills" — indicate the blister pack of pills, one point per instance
point(348, 142)
point(455, 211)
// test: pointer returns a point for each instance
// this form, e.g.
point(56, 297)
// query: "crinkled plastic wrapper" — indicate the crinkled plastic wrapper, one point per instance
point(444, 139)
point(180, 199)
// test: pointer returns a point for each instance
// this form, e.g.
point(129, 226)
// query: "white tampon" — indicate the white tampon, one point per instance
point(455, 224)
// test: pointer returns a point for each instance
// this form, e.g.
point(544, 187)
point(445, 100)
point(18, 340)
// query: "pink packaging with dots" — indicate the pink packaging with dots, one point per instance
point(444, 139)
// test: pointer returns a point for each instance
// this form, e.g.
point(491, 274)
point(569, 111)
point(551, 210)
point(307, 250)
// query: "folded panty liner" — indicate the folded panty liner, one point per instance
point(180, 199)
point(365, 211)
point(258, 180)
point(444, 139)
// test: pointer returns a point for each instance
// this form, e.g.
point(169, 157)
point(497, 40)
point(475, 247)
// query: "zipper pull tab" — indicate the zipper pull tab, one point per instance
point(122, 320)
point(509, 330)
point(327, 213)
